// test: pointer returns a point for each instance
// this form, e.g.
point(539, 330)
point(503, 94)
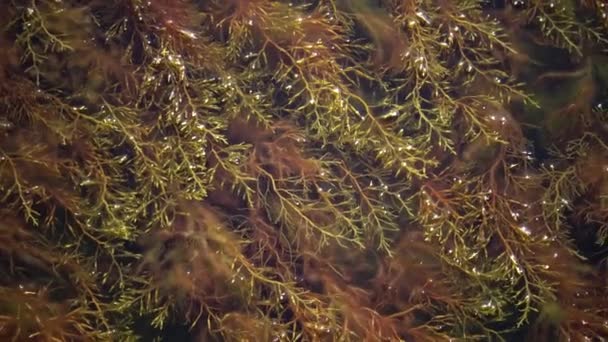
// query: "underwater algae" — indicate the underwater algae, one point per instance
point(329, 170)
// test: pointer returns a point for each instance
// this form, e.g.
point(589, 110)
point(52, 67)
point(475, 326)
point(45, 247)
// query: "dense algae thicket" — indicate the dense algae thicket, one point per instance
point(329, 170)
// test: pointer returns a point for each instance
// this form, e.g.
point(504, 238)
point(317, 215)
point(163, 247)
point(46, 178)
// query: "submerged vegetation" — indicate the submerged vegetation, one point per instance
point(328, 170)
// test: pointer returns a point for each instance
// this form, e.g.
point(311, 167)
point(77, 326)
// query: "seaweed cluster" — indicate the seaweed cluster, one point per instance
point(306, 170)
